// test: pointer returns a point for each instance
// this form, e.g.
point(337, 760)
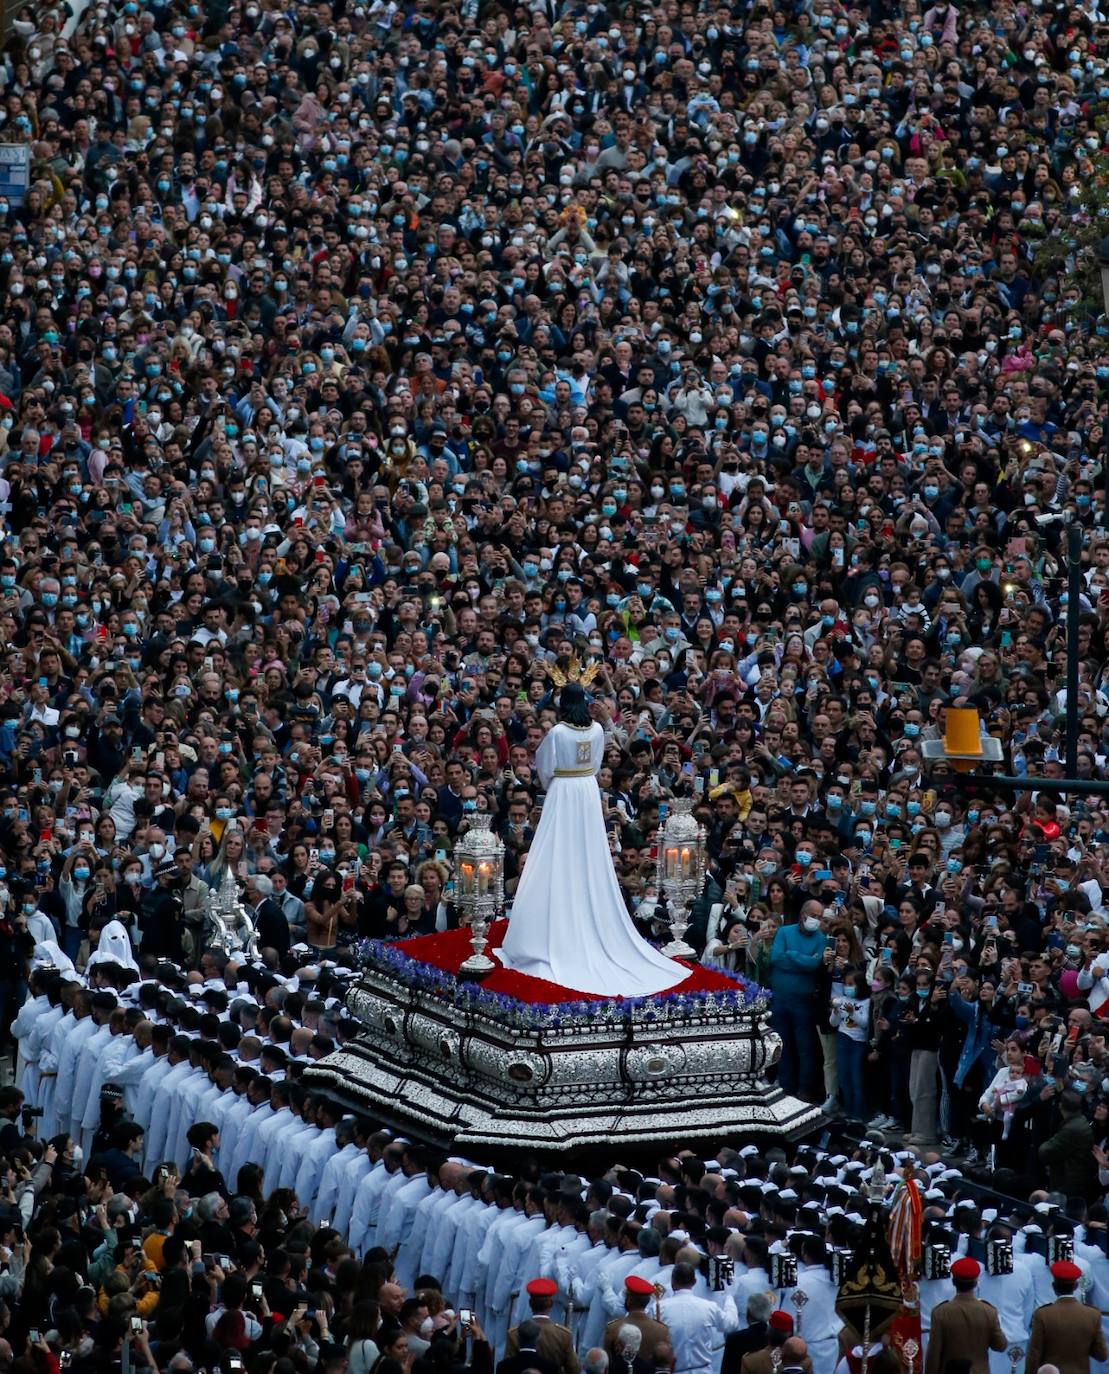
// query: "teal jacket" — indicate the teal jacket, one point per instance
point(795, 957)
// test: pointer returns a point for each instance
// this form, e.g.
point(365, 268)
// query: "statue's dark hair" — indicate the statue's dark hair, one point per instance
point(573, 705)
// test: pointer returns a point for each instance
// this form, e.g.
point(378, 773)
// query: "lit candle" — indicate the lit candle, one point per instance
point(671, 863)
point(467, 877)
point(484, 871)
point(685, 863)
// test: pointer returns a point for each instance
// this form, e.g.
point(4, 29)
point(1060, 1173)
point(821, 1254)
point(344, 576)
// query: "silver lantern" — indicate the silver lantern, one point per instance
point(681, 872)
point(479, 887)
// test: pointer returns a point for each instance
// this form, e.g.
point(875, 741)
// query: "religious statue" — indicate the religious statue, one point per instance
point(568, 922)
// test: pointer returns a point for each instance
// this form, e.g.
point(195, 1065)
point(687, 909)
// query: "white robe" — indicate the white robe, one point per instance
point(68, 1057)
point(116, 1052)
point(25, 1020)
point(234, 1118)
point(463, 1268)
point(568, 922)
point(291, 1145)
point(161, 1109)
point(509, 1277)
point(354, 1174)
point(327, 1190)
point(128, 1076)
point(820, 1322)
point(148, 1086)
point(312, 1165)
point(48, 1073)
point(245, 1152)
point(264, 1151)
point(488, 1258)
point(380, 1198)
point(395, 1234)
point(435, 1254)
point(33, 1048)
point(609, 1279)
point(91, 1051)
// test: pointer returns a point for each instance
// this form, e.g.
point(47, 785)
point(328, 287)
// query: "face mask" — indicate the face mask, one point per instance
point(804, 857)
point(82, 873)
point(943, 819)
point(870, 601)
point(810, 924)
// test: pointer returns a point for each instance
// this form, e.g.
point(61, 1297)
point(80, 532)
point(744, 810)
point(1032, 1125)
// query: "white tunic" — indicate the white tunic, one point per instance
point(83, 1029)
point(696, 1327)
point(820, 1322)
point(352, 1176)
point(367, 1200)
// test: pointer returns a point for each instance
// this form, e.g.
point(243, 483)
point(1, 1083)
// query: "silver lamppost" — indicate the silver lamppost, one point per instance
point(681, 872)
point(479, 865)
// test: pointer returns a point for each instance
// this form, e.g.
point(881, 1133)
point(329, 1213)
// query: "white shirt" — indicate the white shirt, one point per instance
point(696, 1325)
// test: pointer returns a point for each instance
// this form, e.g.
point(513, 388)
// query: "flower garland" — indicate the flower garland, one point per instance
point(418, 976)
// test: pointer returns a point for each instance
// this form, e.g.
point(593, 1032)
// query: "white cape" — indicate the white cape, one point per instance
point(568, 921)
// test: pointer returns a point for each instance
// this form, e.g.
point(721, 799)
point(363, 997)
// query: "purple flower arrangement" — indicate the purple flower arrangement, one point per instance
point(382, 957)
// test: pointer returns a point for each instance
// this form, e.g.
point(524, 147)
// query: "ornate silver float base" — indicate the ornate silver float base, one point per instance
point(649, 1076)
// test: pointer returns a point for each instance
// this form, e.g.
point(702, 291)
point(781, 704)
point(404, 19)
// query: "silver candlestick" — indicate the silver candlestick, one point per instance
point(681, 872)
point(479, 863)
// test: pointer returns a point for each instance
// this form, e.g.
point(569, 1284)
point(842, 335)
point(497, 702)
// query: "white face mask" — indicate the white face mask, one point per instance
point(810, 924)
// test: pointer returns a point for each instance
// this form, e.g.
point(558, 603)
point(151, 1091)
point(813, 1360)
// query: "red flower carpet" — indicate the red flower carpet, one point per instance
point(447, 951)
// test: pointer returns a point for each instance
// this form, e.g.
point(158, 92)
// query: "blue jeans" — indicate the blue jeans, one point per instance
point(801, 1067)
point(851, 1063)
point(71, 940)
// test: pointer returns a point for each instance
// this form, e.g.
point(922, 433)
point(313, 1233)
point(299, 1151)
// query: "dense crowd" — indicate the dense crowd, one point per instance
point(357, 359)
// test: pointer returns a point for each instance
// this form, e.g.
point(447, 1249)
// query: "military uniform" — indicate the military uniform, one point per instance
point(965, 1328)
point(1067, 1334)
point(653, 1333)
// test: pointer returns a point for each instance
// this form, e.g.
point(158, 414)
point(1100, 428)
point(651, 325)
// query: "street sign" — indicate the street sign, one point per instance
point(15, 172)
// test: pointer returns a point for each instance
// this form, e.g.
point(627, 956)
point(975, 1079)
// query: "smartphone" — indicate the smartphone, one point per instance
point(208, 664)
point(314, 857)
point(34, 1335)
point(949, 939)
point(256, 1290)
point(1025, 989)
point(466, 1320)
point(348, 882)
point(830, 942)
point(886, 955)
point(136, 1326)
point(328, 818)
point(136, 754)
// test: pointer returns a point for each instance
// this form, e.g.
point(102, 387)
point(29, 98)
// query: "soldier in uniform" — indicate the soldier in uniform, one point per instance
point(1065, 1333)
point(638, 1293)
point(555, 1344)
point(964, 1328)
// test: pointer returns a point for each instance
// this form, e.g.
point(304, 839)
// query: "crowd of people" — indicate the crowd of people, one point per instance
point(356, 361)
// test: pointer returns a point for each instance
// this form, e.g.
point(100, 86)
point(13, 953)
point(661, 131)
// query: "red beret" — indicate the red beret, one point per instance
point(542, 1288)
point(635, 1284)
point(966, 1268)
point(781, 1321)
point(1066, 1271)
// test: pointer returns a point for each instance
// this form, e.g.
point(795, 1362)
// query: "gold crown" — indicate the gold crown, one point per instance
point(574, 672)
